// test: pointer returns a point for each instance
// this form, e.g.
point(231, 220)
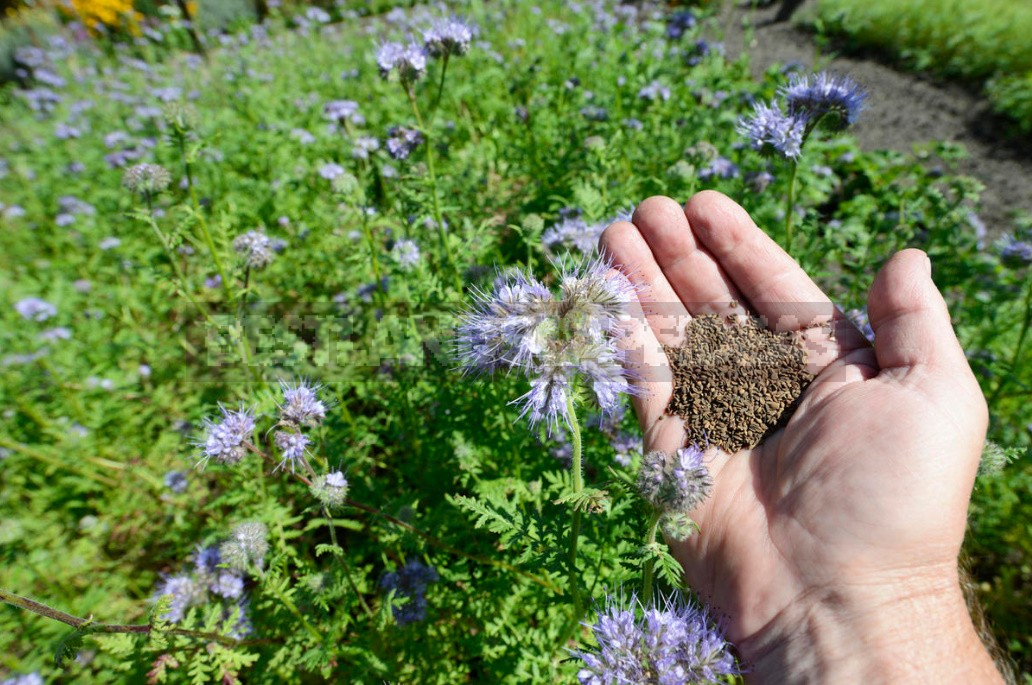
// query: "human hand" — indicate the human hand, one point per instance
point(832, 546)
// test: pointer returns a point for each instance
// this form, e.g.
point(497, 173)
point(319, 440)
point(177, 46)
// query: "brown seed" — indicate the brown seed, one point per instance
point(735, 382)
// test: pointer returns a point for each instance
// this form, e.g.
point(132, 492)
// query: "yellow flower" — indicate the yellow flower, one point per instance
point(115, 14)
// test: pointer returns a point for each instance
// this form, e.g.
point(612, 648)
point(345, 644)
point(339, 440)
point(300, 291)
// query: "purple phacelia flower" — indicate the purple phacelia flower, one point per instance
point(35, 309)
point(769, 130)
point(816, 95)
point(654, 91)
point(408, 60)
point(67, 132)
point(626, 446)
point(341, 110)
point(54, 334)
point(410, 582)
point(301, 405)
point(207, 560)
point(860, 319)
point(331, 489)
point(227, 584)
point(759, 181)
point(146, 179)
point(302, 136)
point(450, 36)
point(674, 483)
point(33, 678)
point(669, 642)
point(573, 232)
point(402, 141)
point(364, 145)
point(521, 325)
point(185, 591)
point(255, 247)
point(246, 546)
point(406, 253)
point(719, 167)
point(176, 481)
point(387, 56)
point(1015, 251)
point(331, 170)
point(292, 446)
point(224, 441)
point(678, 23)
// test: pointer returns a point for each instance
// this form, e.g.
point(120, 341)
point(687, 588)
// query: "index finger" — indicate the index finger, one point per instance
point(775, 286)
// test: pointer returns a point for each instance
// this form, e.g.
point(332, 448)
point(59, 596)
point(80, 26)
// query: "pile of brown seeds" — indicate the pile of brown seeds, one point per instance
point(735, 381)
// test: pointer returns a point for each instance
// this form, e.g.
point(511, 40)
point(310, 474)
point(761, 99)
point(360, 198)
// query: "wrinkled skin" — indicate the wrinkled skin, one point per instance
point(862, 497)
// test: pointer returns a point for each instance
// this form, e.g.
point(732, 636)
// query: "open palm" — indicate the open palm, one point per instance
point(865, 489)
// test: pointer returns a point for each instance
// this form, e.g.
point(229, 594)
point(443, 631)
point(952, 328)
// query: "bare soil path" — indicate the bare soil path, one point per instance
point(903, 109)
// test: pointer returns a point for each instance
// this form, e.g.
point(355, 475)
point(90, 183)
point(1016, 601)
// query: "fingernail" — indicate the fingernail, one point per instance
point(928, 264)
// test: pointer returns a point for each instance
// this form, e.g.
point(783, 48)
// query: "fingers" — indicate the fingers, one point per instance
point(660, 304)
point(692, 272)
point(774, 285)
point(909, 317)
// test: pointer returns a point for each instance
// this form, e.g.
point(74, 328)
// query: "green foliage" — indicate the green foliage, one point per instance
point(25, 28)
point(224, 14)
point(980, 42)
point(1011, 94)
point(438, 470)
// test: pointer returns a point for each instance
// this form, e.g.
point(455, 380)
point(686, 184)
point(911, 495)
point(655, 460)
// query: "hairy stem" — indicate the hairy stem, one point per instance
point(345, 564)
point(578, 486)
point(650, 564)
point(440, 86)
point(790, 207)
point(432, 174)
point(291, 607)
point(89, 625)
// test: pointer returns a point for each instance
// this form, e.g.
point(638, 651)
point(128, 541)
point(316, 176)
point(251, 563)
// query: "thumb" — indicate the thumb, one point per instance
point(909, 317)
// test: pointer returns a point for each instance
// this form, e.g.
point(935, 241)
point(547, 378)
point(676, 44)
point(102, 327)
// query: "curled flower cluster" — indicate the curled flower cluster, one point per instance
point(771, 130)
point(671, 642)
point(292, 446)
point(1015, 251)
point(816, 95)
point(207, 582)
point(408, 61)
point(246, 546)
point(343, 110)
point(179, 116)
point(176, 481)
point(301, 408)
point(256, 248)
point(808, 100)
point(402, 141)
point(35, 309)
point(146, 179)
point(573, 232)
point(410, 581)
point(225, 441)
point(301, 405)
point(674, 483)
point(443, 38)
point(406, 253)
point(552, 340)
point(331, 489)
point(450, 36)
